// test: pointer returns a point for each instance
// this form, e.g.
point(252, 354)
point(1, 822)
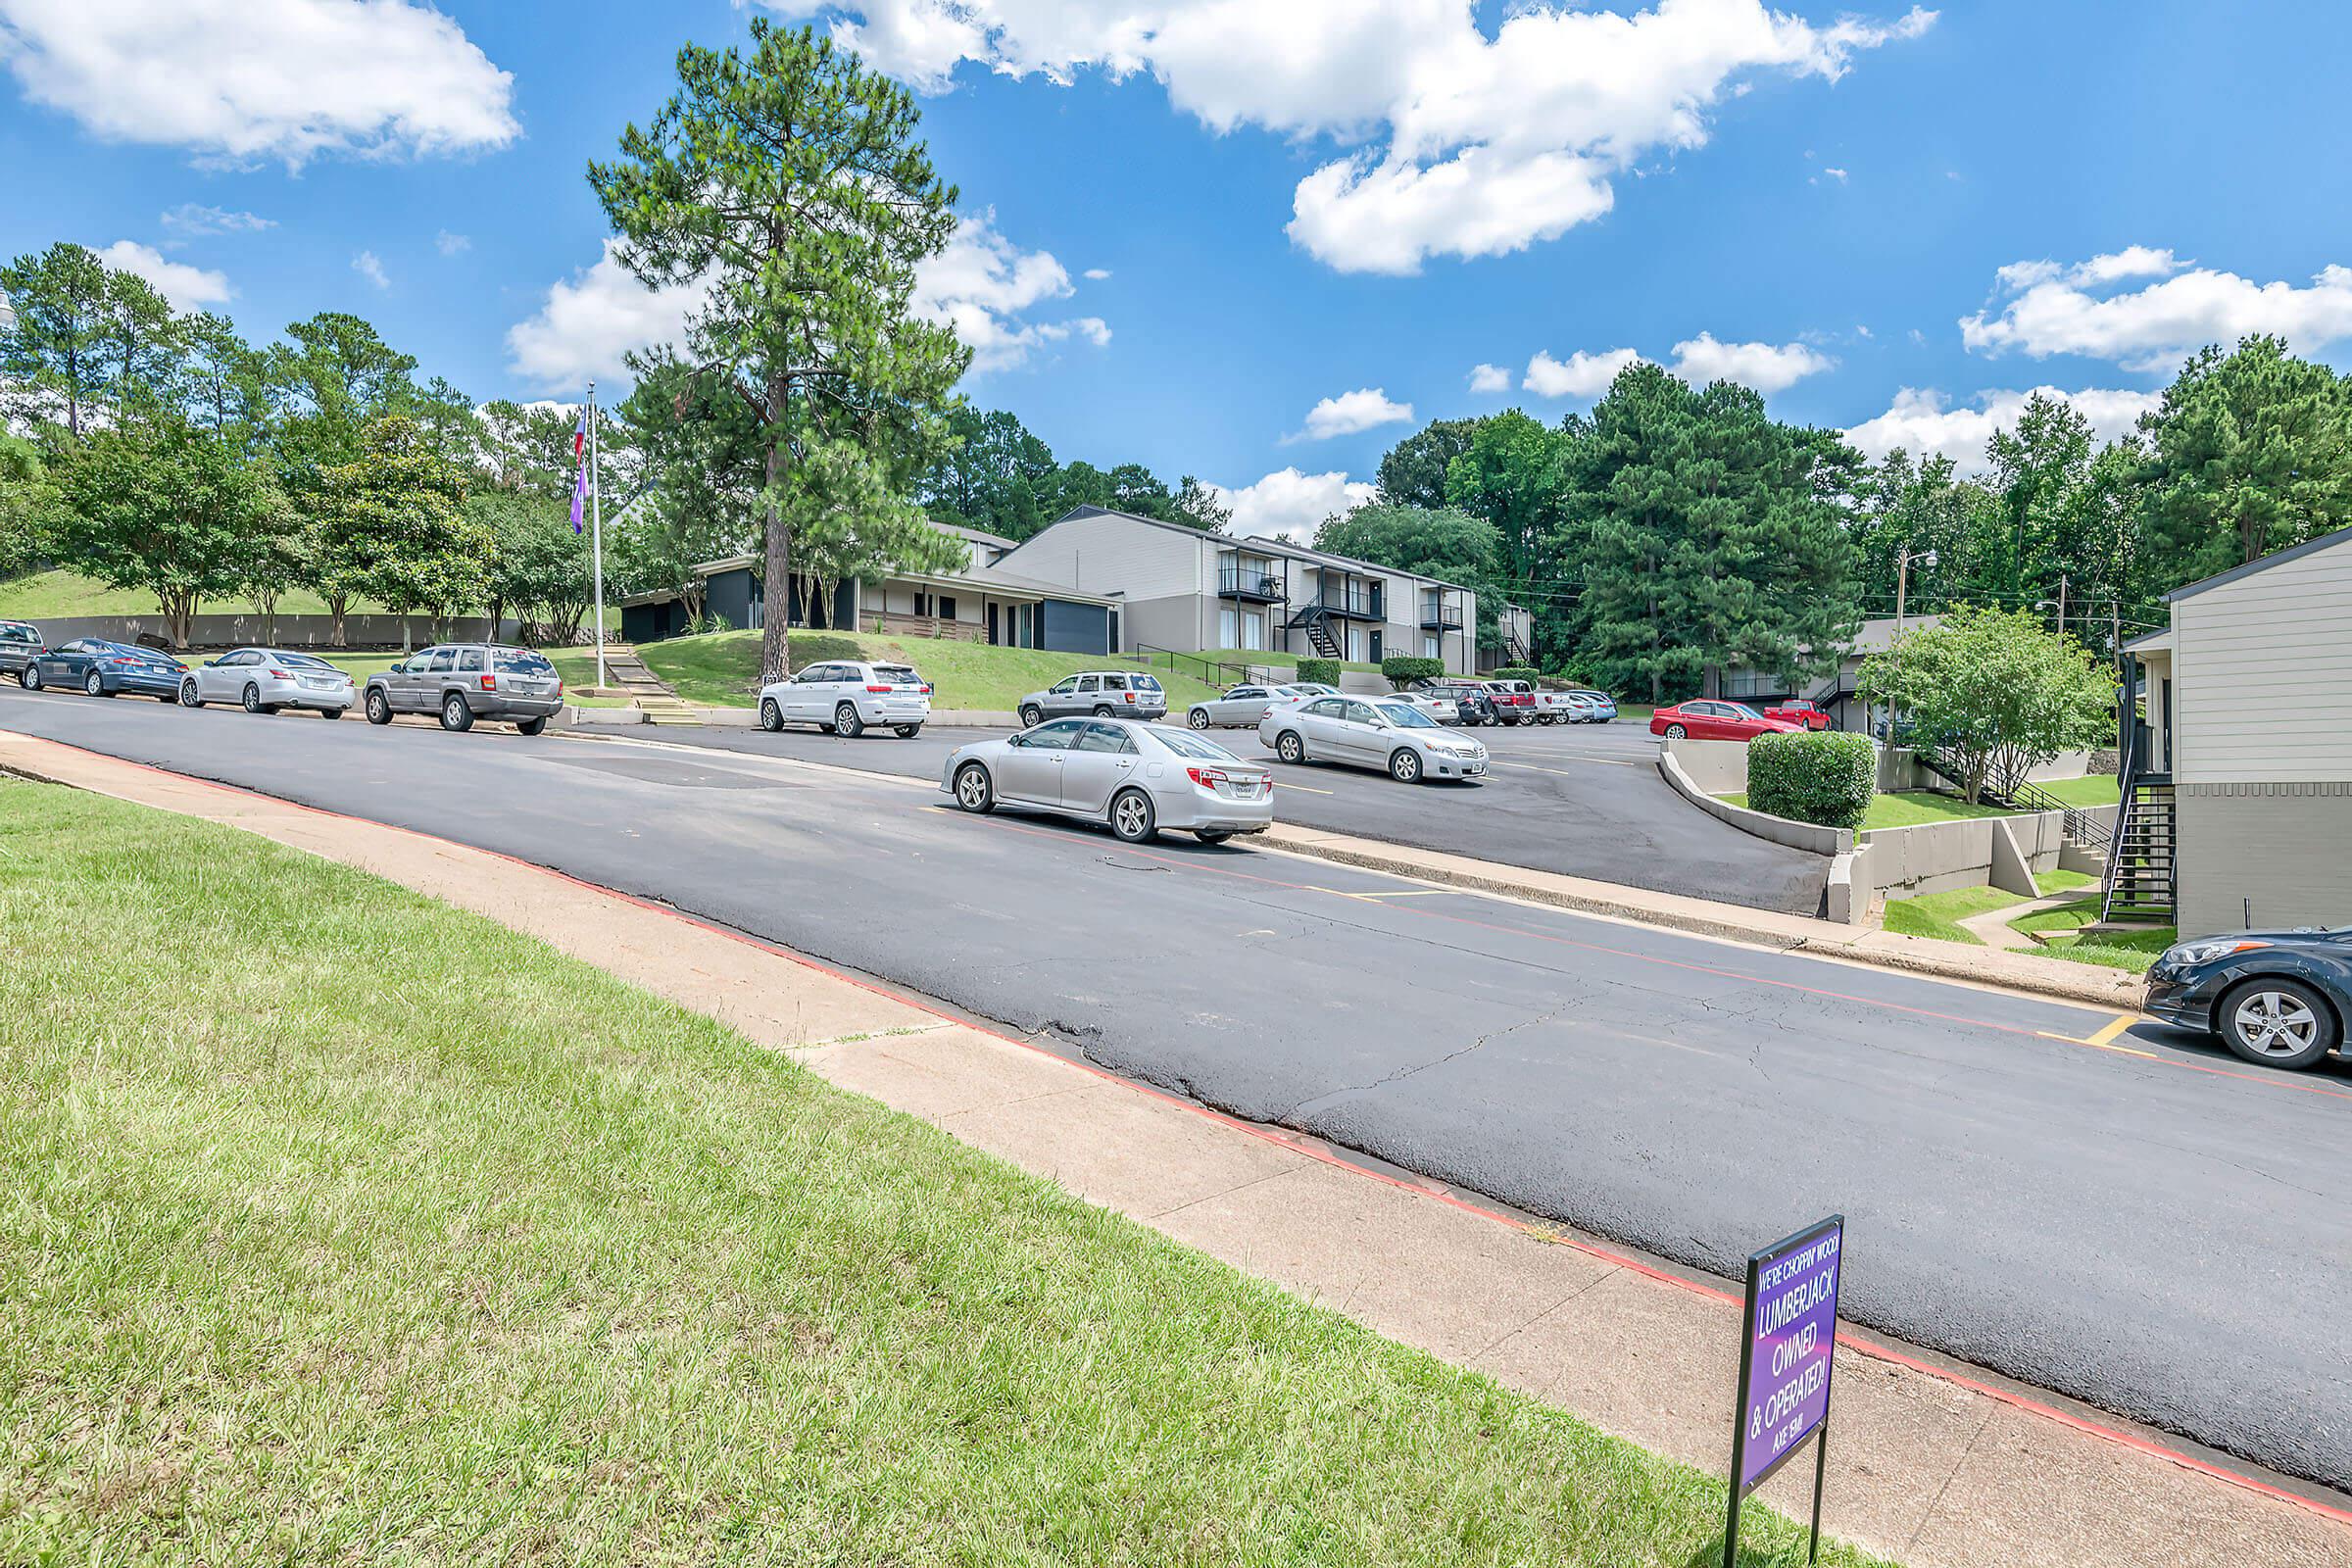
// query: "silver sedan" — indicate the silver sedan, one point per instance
point(1241, 706)
point(262, 680)
point(1384, 732)
point(1136, 777)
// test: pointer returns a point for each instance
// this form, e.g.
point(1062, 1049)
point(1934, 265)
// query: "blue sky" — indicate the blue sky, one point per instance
point(1348, 203)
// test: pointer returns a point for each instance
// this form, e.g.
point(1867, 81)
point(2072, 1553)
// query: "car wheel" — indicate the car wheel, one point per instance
point(1544, 718)
point(455, 716)
point(330, 715)
point(845, 723)
point(1213, 835)
point(1289, 746)
point(253, 700)
point(188, 697)
point(2276, 1022)
point(530, 726)
point(1032, 717)
point(1404, 765)
point(771, 717)
point(378, 707)
point(1132, 817)
point(1198, 719)
point(1102, 710)
point(96, 685)
point(30, 677)
point(973, 790)
point(1676, 732)
point(906, 732)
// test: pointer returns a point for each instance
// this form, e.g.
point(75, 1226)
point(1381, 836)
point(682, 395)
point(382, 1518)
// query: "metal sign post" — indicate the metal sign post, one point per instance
point(1788, 1351)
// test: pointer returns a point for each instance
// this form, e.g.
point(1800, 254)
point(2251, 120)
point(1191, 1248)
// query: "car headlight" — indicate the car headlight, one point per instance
point(2208, 950)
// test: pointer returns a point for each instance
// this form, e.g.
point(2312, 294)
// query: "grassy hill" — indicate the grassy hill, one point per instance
point(722, 669)
point(48, 594)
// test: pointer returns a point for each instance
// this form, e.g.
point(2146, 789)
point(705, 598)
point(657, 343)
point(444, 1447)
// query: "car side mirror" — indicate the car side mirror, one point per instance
point(210, 662)
point(1016, 740)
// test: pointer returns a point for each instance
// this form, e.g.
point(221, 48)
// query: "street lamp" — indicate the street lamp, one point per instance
point(1902, 582)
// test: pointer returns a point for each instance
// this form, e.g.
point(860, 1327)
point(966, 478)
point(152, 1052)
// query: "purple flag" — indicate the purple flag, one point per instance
point(580, 484)
point(579, 497)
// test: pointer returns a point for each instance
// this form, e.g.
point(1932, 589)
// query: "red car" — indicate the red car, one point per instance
point(1514, 701)
point(1715, 720)
point(1799, 712)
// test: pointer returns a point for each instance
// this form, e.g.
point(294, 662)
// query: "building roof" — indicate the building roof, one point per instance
point(975, 535)
point(1877, 636)
point(2309, 547)
point(1261, 545)
point(2155, 642)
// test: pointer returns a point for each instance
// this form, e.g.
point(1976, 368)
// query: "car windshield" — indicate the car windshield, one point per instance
point(1404, 716)
point(299, 660)
point(897, 675)
point(19, 634)
point(522, 661)
point(1184, 743)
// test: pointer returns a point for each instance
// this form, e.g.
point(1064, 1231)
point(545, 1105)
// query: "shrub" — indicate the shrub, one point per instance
point(1824, 778)
point(1526, 672)
point(1400, 669)
point(1322, 671)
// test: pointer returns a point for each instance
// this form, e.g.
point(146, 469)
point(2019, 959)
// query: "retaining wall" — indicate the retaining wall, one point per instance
point(287, 631)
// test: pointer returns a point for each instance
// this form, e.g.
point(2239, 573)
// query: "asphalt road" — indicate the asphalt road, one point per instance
point(2154, 1229)
point(1584, 800)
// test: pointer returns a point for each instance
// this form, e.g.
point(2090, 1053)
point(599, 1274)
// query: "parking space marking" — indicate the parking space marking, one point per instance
point(1534, 768)
point(2105, 1037)
point(1286, 784)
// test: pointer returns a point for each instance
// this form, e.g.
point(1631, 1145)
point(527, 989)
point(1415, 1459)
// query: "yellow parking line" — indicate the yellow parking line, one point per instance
point(2105, 1037)
point(2120, 1022)
point(1285, 784)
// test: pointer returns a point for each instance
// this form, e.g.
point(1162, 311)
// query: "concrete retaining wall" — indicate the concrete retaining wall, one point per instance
point(288, 632)
point(1795, 835)
point(2002, 851)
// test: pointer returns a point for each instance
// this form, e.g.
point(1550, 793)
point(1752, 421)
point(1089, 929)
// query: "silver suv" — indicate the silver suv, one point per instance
point(1103, 692)
point(467, 681)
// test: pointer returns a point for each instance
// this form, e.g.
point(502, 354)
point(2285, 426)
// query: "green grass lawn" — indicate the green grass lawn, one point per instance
point(2092, 789)
point(413, 1241)
point(1938, 914)
point(1910, 809)
point(62, 593)
point(722, 669)
point(2058, 929)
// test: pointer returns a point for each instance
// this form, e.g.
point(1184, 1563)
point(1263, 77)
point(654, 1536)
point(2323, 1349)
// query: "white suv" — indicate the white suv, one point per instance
point(846, 697)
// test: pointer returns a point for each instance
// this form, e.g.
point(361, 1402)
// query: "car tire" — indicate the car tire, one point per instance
point(1132, 818)
point(1545, 718)
point(530, 726)
point(189, 696)
point(252, 701)
point(2273, 1021)
point(378, 709)
point(1676, 732)
point(1289, 746)
point(975, 790)
point(96, 685)
point(455, 716)
point(1102, 710)
point(906, 732)
point(330, 715)
point(1213, 835)
point(1032, 717)
point(771, 717)
point(845, 723)
point(1404, 765)
point(29, 678)
point(1198, 719)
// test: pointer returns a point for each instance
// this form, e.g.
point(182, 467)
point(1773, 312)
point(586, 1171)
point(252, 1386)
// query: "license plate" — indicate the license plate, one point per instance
point(1474, 767)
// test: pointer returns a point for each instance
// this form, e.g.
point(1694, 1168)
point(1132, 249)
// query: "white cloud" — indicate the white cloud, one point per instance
point(982, 285)
point(1489, 379)
point(1838, 174)
point(194, 221)
point(1768, 368)
point(1581, 374)
point(1290, 504)
point(188, 288)
point(368, 267)
point(1462, 144)
point(252, 80)
point(449, 244)
point(2042, 308)
point(1095, 274)
point(594, 319)
point(1368, 408)
point(1922, 421)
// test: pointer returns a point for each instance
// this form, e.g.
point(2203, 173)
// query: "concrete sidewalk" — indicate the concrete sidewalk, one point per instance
point(1927, 1466)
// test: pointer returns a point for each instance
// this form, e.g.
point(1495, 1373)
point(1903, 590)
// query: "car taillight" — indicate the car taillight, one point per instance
point(279, 675)
point(489, 682)
point(1130, 696)
point(924, 690)
point(883, 689)
point(1207, 777)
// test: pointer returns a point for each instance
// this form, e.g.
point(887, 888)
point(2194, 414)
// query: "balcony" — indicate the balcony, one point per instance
point(1439, 616)
point(1357, 603)
point(1249, 583)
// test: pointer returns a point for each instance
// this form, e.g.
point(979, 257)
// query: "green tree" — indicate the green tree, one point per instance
point(704, 466)
point(160, 506)
point(329, 384)
point(1510, 474)
point(1923, 508)
point(28, 498)
point(2037, 470)
point(79, 338)
point(1997, 690)
point(539, 570)
point(997, 477)
point(1198, 506)
point(2251, 452)
point(1413, 472)
point(394, 528)
point(217, 384)
point(1442, 542)
point(790, 183)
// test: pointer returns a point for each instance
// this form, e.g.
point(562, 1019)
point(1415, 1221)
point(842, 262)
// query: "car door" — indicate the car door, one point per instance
point(228, 676)
point(1101, 759)
point(1060, 697)
point(68, 665)
point(1244, 704)
point(1321, 726)
point(1030, 771)
point(799, 702)
point(1363, 734)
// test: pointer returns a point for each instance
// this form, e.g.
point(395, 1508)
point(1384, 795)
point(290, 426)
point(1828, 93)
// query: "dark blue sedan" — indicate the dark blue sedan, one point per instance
point(104, 669)
point(2276, 998)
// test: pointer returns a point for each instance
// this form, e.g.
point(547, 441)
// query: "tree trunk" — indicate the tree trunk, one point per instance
point(267, 603)
point(336, 606)
point(180, 612)
point(775, 643)
point(821, 603)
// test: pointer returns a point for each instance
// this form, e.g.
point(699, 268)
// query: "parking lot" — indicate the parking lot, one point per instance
point(1581, 800)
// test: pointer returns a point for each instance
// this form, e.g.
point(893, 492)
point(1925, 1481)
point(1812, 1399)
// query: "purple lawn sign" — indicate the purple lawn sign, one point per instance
point(1789, 1340)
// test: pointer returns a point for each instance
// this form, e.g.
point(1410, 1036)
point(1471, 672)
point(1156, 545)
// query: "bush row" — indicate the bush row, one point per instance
point(1826, 778)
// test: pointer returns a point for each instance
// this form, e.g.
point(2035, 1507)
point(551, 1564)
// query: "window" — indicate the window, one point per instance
point(20, 634)
point(1429, 648)
point(1066, 685)
point(897, 675)
point(1054, 737)
point(469, 660)
point(521, 661)
point(947, 607)
point(922, 604)
point(1404, 716)
point(1227, 630)
point(1326, 707)
point(1090, 683)
point(441, 661)
point(1361, 714)
point(1105, 738)
point(302, 661)
point(1186, 744)
point(1247, 690)
point(1143, 683)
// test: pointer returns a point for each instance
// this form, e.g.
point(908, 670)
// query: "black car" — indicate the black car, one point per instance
point(2278, 998)
point(1471, 700)
point(104, 669)
point(20, 640)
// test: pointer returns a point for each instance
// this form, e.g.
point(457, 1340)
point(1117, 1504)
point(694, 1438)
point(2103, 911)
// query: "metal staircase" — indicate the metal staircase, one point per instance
point(1315, 622)
point(2017, 794)
point(2143, 877)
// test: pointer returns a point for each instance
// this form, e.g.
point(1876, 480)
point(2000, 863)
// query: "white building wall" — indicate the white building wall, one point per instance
point(1119, 555)
point(2262, 676)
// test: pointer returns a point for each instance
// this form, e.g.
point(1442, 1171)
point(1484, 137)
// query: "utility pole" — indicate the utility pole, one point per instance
point(596, 514)
point(2061, 580)
point(1902, 581)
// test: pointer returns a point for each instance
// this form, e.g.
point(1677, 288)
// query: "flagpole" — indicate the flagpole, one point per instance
point(596, 514)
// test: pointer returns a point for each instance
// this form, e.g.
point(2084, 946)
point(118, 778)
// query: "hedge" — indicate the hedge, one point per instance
point(1826, 778)
point(1402, 668)
point(1526, 672)
point(1321, 672)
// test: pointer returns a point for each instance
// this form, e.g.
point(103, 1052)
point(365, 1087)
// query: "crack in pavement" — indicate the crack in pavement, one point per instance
point(1325, 1101)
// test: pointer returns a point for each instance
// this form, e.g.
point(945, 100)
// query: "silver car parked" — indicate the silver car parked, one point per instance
point(467, 681)
point(264, 680)
point(1383, 732)
point(1103, 692)
point(1243, 706)
point(1136, 777)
